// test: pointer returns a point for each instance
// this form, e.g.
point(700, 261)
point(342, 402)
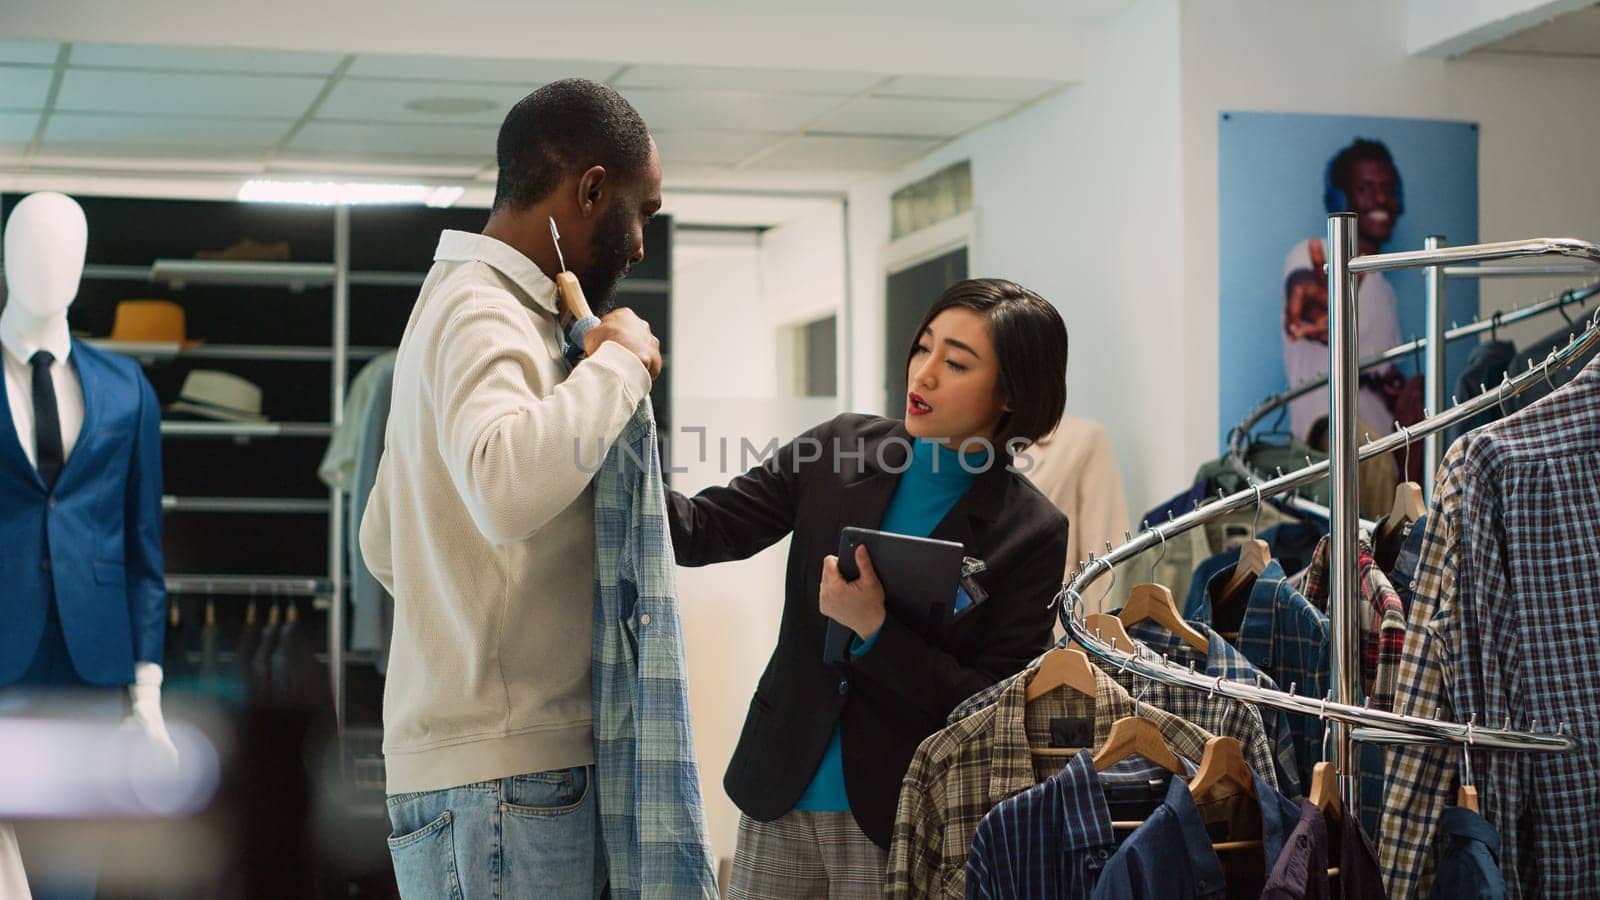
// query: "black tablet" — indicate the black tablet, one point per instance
point(920, 577)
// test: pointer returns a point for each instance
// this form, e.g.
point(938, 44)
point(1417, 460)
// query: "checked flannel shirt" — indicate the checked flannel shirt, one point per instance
point(1502, 627)
point(1222, 659)
point(1218, 715)
point(651, 811)
point(962, 772)
point(1283, 635)
point(1383, 633)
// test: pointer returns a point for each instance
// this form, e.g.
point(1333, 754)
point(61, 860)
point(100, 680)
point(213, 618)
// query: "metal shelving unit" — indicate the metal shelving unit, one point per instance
point(327, 589)
point(246, 429)
point(252, 352)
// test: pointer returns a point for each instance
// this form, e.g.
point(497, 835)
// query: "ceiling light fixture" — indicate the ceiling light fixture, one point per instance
point(347, 193)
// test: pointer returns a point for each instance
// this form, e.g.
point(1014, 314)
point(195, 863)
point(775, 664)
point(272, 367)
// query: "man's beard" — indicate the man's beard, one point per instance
point(610, 258)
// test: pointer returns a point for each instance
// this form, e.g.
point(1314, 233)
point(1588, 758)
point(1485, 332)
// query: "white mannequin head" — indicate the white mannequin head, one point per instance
point(46, 238)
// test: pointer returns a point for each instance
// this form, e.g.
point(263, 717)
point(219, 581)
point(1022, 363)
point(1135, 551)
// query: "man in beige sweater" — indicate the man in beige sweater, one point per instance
point(481, 521)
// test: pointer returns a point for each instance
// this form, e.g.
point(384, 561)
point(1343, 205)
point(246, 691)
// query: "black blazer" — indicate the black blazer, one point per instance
point(900, 691)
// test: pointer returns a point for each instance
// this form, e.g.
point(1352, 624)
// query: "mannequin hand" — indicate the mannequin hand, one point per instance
point(146, 715)
point(858, 605)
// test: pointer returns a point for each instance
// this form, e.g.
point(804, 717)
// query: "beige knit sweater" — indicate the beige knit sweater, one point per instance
point(481, 523)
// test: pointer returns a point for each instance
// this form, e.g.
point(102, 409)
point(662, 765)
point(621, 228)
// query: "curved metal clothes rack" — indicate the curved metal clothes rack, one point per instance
point(1239, 436)
point(1381, 725)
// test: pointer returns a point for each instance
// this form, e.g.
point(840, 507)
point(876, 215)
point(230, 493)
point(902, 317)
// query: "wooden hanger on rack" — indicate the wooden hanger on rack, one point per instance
point(1408, 503)
point(1467, 794)
point(1154, 602)
point(1132, 735)
point(1061, 667)
point(1223, 762)
point(1110, 629)
point(1324, 793)
point(1254, 555)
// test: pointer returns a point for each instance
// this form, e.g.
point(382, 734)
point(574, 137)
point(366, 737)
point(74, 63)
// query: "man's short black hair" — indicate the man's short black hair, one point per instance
point(565, 126)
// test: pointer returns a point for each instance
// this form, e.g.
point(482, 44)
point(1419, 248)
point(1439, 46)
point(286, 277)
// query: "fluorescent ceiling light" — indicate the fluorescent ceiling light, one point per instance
point(347, 193)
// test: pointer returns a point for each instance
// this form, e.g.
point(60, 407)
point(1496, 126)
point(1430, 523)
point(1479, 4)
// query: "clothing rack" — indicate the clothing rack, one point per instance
point(1339, 707)
point(1239, 436)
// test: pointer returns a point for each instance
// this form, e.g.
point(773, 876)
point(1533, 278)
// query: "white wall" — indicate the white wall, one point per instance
point(1104, 197)
point(1539, 125)
point(733, 293)
point(1076, 198)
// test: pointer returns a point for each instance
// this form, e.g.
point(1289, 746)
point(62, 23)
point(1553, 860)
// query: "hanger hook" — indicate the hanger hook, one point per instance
point(1111, 582)
point(1160, 555)
point(1466, 752)
point(1405, 431)
point(1255, 523)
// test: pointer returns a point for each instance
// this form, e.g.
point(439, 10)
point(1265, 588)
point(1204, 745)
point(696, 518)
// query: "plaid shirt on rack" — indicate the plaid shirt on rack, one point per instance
point(1218, 715)
point(1222, 659)
point(1383, 633)
point(1283, 635)
point(1054, 839)
point(648, 782)
point(1502, 629)
point(962, 772)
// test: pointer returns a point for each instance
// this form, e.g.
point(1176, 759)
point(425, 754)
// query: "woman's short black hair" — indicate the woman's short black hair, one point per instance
point(1030, 342)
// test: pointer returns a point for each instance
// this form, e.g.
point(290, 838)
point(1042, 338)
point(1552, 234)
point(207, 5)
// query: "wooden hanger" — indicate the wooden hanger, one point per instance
point(1408, 507)
point(1109, 628)
point(1324, 794)
point(1254, 555)
point(1223, 762)
point(1061, 667)
point(1154, 602)
point(1467, 794)
point(1133, 735)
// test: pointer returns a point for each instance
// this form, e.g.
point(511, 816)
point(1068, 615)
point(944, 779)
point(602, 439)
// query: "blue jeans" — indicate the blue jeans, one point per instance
point(535, 835)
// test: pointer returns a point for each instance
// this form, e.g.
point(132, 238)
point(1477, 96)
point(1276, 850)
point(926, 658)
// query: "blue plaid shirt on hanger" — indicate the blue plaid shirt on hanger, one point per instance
point(651, 812)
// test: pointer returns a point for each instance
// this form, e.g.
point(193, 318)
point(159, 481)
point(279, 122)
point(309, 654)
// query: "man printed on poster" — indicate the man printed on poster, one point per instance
point(1361, 178)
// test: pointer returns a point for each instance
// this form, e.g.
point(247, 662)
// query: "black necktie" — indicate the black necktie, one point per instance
point(46, 419)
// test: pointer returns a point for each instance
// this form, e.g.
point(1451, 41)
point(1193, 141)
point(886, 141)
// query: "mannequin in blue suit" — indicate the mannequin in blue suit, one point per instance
point(81, 581)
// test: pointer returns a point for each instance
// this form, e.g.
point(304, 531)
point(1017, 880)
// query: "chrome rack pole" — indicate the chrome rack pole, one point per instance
point(1344, 385)
point(1437, 313)
point(337, 380)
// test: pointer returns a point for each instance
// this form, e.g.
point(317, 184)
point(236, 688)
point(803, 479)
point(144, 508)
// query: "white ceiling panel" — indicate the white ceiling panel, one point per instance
point(267, 96)
point(918, 118)
point(18, 127)
point(529, 73)
point(966, 88)
point(779, 81)
point(346, 139)
point(79, 128)
point(36, 52)
point(24, 87)
point(844, 153)
point(711, 147)
point(362, 99)
point(205, 59)
point(727, 110)
point(178, 159)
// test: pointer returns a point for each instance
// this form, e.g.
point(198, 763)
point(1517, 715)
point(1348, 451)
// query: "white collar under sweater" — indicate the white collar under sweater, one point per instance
point(464, 246)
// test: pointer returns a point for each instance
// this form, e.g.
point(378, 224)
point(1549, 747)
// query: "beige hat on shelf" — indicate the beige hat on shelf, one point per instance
point(219, 395)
